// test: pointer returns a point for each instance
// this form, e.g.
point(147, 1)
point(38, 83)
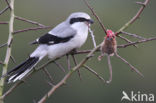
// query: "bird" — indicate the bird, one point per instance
point(69, 35)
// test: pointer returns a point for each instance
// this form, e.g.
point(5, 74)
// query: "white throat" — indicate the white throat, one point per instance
point(82, 32)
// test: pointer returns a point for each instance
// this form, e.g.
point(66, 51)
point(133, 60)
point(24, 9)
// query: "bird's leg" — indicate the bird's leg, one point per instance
point(72, 52)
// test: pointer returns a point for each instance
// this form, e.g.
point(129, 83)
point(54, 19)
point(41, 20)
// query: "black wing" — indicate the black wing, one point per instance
point(50, 39)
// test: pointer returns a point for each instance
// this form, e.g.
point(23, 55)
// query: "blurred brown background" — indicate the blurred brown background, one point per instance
point(114, 13)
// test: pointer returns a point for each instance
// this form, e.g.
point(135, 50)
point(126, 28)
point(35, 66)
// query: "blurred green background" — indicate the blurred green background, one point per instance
point(113, 13)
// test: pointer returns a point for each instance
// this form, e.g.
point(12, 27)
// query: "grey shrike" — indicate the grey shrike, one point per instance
point(68, 35)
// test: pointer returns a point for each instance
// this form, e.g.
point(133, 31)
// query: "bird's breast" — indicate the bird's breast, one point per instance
point(61, 49)
point(81, 35)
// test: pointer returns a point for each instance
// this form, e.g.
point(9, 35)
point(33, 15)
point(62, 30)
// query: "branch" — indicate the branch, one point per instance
point(29, 21)
point(133, 35)
point(131, 66)
point(8, 52)
point(31, 29)
point(54, 88)
point(136, 16)
point(74, 59)
point(5, 9)
point(8, 4)
point(13, 59)
point(137, 42)
point(21, 82)
point(84, 51)
point(75, 62)
point(3, 45)
point(98, 19)
point(125, 39)
point(3, 22)
point(94, 72)
point(59, 66)
point(48, 74)
point(11, 89)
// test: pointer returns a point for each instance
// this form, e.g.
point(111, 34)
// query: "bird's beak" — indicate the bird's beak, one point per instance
point(90, 21)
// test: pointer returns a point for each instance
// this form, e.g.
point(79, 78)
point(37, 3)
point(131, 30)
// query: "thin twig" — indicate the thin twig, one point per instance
point(93, 12)
point(3, 45)
point(11, 89)
point(125, 39)
point(110, 69)
point(94, 72)
point(60, 66)
point(8, 52)
point(75, 62)
point(136, 16)
point(3, 22)
point(29, 21)
point(8, 4)
point(131, 66)
point(133, 35)
point(140, 41)
point(13, 59)
point(5, 9)
point(83, 51)
point(50, 83)
point(31, 29)
point(74, 59)
point(48, 75)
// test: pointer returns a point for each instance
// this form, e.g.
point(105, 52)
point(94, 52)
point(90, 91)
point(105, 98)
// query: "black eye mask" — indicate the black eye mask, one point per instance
point(80, 19)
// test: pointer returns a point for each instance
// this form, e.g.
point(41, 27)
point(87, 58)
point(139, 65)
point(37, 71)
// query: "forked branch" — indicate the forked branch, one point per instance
point(8, 52)
point(135, 17)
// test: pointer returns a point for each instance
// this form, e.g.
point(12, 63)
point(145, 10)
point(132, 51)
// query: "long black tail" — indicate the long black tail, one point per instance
point(22, 69)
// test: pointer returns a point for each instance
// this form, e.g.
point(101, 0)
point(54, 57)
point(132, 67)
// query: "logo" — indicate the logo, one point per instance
point(137, 96)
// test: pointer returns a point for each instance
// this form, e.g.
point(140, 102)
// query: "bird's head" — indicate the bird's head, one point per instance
point(110, 35)
point(79, 18)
